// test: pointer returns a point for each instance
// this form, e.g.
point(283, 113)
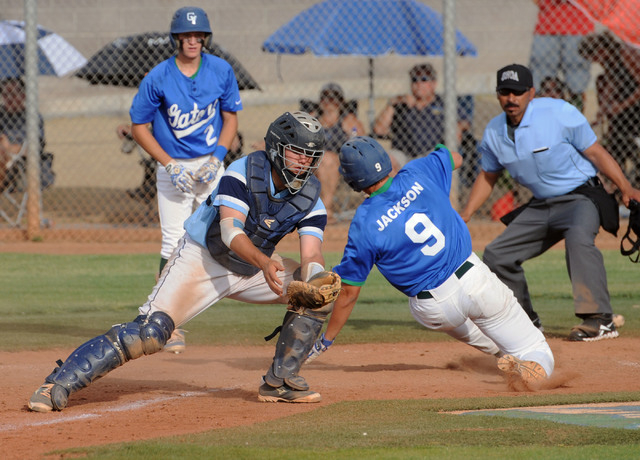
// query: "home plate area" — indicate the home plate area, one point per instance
point(607, 415)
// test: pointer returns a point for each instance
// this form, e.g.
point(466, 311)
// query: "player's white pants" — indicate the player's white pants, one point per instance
point(174, 206)
point(481, 311)
point(192, 281)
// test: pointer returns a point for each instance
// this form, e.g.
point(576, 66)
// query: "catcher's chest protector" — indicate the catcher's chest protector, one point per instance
point(269, 220)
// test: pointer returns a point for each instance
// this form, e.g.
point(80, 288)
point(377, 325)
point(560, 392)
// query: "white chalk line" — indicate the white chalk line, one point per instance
point(119, 408)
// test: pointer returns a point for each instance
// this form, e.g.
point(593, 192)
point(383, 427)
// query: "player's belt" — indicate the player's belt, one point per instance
point(464, 268)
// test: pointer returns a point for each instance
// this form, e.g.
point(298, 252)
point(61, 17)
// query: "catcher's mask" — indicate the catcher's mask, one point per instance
point(302, 134)
point(190, 19)
point(634, 227)
point(363, 162)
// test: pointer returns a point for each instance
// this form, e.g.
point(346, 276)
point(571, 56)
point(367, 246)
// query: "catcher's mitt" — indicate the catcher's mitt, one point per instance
point(321, 289)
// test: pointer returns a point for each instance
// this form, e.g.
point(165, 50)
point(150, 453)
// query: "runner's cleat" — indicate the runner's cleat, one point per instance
point(529, 371)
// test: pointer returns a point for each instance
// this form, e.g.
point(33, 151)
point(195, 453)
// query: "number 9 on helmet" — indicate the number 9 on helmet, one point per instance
point(363, 162)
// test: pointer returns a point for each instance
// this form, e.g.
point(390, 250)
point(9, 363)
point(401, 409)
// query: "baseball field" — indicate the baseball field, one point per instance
point(390, 388)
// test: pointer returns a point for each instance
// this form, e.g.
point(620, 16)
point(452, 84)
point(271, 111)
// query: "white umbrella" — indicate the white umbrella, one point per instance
point(55, 55)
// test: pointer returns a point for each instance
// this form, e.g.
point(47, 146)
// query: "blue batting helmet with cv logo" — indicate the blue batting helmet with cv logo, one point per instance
point(190, 19)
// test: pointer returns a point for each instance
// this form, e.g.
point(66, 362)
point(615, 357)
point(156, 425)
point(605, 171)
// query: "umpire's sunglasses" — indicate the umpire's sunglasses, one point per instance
point(515, 92)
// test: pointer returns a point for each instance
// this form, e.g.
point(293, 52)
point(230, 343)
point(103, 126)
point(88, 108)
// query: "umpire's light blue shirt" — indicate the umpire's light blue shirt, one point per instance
point(547, 154)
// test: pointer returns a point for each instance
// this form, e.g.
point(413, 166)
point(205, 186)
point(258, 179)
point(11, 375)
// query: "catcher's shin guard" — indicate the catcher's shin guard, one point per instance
point(102, 354)
point(297, 336)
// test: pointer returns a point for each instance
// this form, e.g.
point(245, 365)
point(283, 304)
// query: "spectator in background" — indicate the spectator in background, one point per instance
point(618, 92)
point(340, 122)
point(146, 192)
point(559, 29)
point(415, 122)
point(13, 131)
point(552, 87)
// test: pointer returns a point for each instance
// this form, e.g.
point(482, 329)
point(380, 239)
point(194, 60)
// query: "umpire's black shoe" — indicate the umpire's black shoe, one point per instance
point(594, 328)
point(285, 393)
point(538, 323)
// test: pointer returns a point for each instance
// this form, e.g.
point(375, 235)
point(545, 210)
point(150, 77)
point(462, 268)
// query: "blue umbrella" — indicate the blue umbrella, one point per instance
point(365, 28)
point(55, 55)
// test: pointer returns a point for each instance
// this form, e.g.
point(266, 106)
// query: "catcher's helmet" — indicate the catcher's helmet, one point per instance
point(363, 162)
point(190, 19)
point(301, 133)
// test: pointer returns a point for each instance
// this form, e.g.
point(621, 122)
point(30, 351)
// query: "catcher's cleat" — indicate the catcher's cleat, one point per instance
point(176, 343)
point(285, 393)
point(529, 371)
point(41, 399)
point(593, 329)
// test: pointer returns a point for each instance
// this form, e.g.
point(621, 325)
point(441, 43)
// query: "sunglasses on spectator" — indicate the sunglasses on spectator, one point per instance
point(515, 92)
point(422, 78)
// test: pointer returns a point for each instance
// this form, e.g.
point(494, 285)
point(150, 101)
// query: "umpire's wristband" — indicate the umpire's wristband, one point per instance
point(220, 153)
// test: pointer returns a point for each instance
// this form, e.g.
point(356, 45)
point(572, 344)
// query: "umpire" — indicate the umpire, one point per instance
point(548, 146)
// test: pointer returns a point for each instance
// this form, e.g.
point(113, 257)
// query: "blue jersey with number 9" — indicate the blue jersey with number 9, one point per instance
point(408, 229)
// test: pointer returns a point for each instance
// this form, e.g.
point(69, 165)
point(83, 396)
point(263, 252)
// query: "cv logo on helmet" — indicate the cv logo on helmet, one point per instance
point(311, 144)
point(192, 17)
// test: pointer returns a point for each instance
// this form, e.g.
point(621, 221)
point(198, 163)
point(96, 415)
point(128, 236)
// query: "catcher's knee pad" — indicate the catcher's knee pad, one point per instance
point(298, 334)
point(144, 336)
point(102, 354)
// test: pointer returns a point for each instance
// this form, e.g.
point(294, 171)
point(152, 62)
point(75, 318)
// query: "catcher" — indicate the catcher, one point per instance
point(228, 252)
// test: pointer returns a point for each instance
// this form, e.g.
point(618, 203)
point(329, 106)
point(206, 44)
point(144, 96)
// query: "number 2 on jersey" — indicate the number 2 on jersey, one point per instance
point(211, 139)
point(428, 230)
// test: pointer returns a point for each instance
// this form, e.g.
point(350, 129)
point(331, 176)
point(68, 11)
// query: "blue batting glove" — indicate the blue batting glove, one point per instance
point(208, 171)
point(321, 345)
point(181, 177)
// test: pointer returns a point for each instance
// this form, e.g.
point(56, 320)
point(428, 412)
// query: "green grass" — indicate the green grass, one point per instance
point(398, 430)
point(53, 301)
point(59, 301)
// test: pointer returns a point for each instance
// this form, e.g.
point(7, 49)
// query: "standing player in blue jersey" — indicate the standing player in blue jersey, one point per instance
point(191, 100)
point(409, 230)
point(228, 252)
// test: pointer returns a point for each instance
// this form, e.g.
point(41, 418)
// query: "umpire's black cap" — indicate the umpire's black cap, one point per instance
point(514, 76)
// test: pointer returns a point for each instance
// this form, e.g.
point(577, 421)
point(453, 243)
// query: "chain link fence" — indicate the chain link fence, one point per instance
point(98, 185)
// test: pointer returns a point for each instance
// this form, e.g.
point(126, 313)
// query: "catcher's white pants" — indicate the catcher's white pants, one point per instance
point(192, 281)
point(480, 310)
point(174, 206)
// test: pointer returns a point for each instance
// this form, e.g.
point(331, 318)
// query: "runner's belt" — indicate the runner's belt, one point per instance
point(464, 268)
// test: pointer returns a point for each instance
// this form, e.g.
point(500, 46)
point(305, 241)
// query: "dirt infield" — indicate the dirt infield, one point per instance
point(215, 387)
point(335, 238)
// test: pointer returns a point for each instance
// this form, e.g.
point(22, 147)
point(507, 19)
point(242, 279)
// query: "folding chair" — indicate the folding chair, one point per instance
point(13, 188)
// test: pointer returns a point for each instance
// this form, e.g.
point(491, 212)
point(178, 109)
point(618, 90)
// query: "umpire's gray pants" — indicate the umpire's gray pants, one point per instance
point(542, 224)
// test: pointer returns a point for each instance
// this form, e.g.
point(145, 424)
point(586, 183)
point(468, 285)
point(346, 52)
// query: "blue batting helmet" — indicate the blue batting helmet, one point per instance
point(363, 162)
point(190, 19)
